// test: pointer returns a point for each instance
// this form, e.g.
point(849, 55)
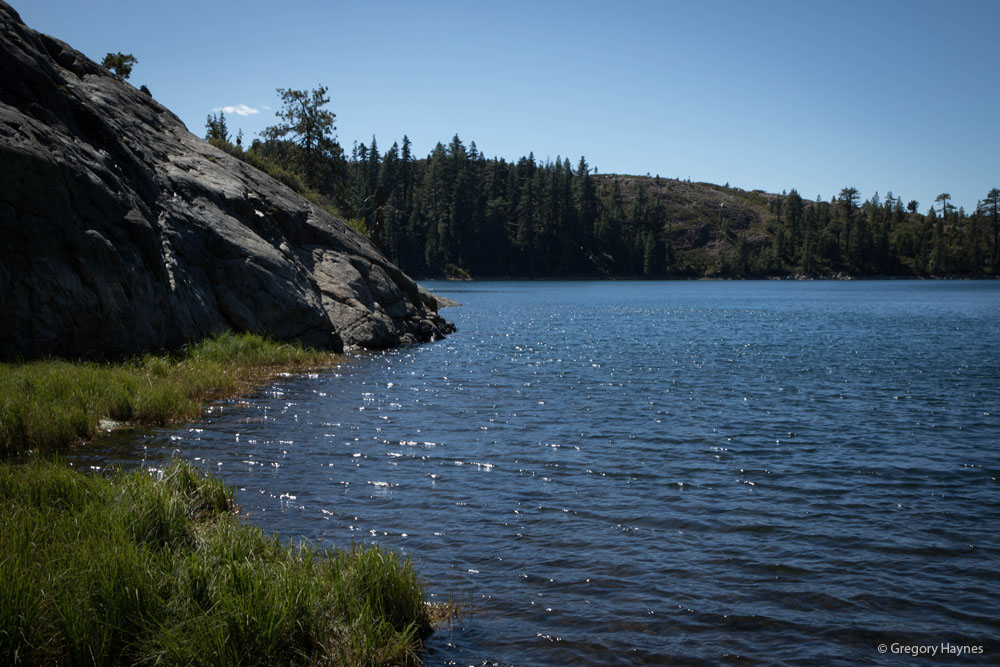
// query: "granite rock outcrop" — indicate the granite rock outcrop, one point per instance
point(121, 231)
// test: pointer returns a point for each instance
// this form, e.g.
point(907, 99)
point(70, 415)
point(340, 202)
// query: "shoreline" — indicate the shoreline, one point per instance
point(120, 565)
point(795, 277)
point(49, 405)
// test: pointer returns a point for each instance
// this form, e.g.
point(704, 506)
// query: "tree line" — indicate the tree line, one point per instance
point(457, 213)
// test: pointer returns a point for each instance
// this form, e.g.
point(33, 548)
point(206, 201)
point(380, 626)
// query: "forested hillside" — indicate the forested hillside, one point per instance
point(458, 213)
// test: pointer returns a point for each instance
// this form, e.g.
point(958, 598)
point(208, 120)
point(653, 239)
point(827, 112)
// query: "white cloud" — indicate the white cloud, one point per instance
point(239, 110)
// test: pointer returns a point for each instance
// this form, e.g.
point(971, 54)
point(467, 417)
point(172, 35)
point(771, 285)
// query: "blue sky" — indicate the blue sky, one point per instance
point(899, 95)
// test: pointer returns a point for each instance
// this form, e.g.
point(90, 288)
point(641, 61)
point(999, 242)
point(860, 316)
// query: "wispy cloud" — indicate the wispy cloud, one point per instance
point(239, 110)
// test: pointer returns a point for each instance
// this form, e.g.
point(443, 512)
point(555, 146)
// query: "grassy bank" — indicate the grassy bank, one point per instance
point(136, 568)
point(47, 405)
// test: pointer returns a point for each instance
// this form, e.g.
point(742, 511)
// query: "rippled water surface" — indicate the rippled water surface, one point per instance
point(657, 472)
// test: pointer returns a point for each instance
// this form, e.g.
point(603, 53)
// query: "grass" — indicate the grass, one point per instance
point(134, 568)
point(47, 405)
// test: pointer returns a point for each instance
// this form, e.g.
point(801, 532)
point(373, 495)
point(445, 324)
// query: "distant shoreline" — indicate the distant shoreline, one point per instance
point(834, 277)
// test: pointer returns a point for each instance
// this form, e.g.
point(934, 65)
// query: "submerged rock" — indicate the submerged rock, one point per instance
point(121, 231)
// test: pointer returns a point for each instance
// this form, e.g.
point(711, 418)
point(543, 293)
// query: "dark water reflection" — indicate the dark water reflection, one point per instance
point(629, 473)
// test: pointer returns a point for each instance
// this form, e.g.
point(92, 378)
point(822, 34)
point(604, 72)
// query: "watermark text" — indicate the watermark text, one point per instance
point(933, 650)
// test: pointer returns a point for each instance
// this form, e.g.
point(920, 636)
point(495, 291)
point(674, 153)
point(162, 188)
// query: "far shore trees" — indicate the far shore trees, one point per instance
point(991, 207)
point(457, 213)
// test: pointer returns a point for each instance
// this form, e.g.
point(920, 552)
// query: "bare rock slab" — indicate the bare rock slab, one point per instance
point(120, 231)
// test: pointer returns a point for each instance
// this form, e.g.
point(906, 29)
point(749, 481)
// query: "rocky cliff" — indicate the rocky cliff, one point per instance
point(121, 231)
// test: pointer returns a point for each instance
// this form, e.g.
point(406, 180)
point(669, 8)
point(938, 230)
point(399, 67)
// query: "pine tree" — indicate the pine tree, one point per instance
point(216, 129)
point(120, 63)
point(991, 208)
point(585, 202)
point(652, 256)
point(791, 213)
point(945, 206)
point(311, 129)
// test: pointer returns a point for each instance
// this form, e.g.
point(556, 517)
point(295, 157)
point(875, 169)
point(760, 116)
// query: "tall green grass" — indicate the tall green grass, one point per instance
point(47, 405)
point(156, 568)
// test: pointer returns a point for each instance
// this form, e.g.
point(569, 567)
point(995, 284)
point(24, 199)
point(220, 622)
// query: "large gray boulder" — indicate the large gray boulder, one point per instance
point(120, 231)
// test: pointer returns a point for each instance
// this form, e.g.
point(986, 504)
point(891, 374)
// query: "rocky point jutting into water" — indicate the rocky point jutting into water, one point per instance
point(121, 231)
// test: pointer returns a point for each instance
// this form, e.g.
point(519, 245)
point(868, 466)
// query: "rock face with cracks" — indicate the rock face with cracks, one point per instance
point(120, 231)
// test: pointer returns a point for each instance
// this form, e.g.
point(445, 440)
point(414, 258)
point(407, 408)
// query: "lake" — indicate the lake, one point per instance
point(656, 472)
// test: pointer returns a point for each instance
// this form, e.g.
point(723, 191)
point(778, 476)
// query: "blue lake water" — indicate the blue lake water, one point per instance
point(656, 473)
